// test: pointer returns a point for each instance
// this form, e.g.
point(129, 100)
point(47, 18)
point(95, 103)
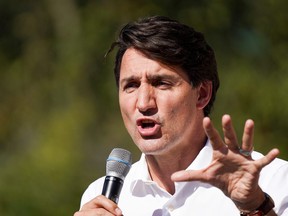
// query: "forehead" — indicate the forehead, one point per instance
point(135, 63)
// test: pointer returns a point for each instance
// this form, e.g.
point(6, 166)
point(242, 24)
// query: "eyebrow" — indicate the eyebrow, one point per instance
point(150, 78)
point(128, 79)
point(163, 76)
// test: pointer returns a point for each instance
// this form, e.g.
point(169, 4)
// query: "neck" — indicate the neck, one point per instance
point(162, 166)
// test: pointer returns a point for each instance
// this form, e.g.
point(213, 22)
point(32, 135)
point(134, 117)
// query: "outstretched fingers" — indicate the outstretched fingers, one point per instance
point(248, 136)
point(230, 137)
point(268, 158)
point(212, 134)
point(187, 175)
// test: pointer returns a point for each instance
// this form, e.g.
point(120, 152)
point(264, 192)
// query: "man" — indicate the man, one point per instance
point(167, 79)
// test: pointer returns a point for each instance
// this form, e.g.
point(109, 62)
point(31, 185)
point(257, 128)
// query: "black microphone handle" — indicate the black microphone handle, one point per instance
point(112, 188)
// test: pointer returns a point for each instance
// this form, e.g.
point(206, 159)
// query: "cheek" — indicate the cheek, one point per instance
point(179, 104)
point(180, 114)
point(126, 109)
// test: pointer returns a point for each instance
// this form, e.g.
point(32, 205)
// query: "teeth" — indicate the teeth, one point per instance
point(147, 121)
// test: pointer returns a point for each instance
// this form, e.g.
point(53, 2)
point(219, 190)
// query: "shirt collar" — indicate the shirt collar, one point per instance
point(142, 176)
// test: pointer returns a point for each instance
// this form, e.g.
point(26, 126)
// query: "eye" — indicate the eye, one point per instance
point(162, 84)
point(130, 86)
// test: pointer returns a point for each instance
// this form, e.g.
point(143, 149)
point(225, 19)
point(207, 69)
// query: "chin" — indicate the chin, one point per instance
point(151, 147)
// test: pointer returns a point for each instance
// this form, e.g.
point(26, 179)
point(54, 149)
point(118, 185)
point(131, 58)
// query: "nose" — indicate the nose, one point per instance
point(146, 98)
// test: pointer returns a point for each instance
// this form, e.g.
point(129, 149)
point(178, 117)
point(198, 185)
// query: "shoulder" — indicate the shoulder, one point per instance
point(93, 190)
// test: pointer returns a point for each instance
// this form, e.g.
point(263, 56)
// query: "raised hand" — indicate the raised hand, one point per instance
point(232, 169)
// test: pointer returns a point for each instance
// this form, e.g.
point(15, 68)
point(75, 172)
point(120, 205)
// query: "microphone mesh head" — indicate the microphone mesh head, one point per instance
point(118, 163)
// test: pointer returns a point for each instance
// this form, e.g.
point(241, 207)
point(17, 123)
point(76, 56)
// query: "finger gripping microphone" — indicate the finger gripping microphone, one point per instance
point(117, 167)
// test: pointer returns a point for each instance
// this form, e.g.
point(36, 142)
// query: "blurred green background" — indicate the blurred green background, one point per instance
point(59, 116)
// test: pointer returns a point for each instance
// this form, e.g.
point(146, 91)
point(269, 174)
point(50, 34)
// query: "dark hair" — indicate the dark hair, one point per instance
point(173, 44)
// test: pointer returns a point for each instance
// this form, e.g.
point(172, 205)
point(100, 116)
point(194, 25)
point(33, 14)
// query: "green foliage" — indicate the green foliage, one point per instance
point(59, 111)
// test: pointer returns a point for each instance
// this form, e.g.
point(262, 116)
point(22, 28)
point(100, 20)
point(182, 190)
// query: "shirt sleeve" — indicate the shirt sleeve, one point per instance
point(93, 190)
point(278, 189)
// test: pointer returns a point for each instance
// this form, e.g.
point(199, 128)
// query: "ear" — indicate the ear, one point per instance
point(204, 94)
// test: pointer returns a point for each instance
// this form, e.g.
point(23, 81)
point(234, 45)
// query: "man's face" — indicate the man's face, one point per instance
point(159, 106)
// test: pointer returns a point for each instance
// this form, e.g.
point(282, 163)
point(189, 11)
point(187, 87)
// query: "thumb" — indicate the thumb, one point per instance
point(187, 175)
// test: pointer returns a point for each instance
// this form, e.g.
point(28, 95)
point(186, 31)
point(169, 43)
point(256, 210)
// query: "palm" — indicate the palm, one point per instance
point(234, 174)
point(231, 172)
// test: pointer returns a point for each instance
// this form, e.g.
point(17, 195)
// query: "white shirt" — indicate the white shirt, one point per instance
point(141, 196)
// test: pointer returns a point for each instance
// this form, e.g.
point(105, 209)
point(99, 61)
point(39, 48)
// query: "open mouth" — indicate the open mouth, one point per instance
point(147, 124)
point(148, 127)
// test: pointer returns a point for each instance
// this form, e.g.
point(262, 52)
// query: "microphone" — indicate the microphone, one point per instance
point(117, 167)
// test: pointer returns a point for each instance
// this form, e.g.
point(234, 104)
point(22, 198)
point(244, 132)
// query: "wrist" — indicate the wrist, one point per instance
point(266, 206)
point(249, 203)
